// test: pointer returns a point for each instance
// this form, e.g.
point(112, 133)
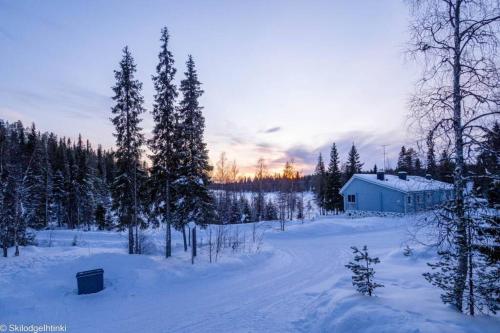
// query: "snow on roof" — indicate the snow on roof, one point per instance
point(411, 184)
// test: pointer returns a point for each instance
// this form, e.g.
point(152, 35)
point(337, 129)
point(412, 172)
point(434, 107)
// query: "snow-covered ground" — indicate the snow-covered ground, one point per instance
point(295, 281)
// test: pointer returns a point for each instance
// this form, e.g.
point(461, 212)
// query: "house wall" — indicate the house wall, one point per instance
point(370, 197)
point(425, 200)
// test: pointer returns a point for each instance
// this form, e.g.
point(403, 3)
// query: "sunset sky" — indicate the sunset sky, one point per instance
point(282, 79)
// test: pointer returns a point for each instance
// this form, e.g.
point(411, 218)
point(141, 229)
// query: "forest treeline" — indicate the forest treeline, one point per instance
point(67, 183)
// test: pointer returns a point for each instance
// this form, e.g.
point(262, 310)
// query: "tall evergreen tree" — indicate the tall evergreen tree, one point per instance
point(354, 164)
point(129, 139)
point(320, 178)
point(333, 199)
point(15, 195)
point(445, 168)
point(195, 202)
point(36, 182)
point(418, 170)
point(431, 166)
point(488, 165)
point(165, 158)
point(401, 166)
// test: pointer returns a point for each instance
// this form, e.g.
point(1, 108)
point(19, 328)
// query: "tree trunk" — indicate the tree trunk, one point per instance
point(5, 253)
point(16, 243)
point(184, 238)
point(461, 238)
point(136, 248)
point(168, 235)
point(471, 281)
point(130, 238)
point(193, 248)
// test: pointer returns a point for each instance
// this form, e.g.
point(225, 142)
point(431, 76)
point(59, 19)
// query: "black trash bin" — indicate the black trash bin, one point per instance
point(90, 281)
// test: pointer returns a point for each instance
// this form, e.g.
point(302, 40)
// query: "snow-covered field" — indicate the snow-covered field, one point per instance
point(295, 281)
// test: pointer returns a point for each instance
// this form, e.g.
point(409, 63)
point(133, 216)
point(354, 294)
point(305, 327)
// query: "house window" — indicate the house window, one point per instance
point(429, 196)
point(408, 199)
point(419, 198)
point(351, 198)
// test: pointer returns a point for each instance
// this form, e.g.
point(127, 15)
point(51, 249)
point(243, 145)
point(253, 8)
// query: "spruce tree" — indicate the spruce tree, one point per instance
point(195, 202)
point(36, 198)
point(401, 166)
point(333, 199)
point(445, 167)
point(129, 139)
point(15, 195)
point(102, 200)
point(418, 167)
point(354, 164)
point(320, 184)
point(481, 285)
point(271, 211)
point(363, 272)
point(488, 166)
point(165, 158)
point(431, 166)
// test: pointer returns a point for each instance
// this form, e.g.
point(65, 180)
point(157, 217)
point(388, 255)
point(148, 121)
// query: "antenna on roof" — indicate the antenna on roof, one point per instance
point(383, 146)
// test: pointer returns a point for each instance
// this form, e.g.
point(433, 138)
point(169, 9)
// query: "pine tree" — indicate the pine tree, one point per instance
point(487, 267)
point(271, 213)
point(59, 196)
point(363, 272)
point(102, 200)
point(300, 207)
point(418, 167)
point(165, 159)
point(481, 286)
point(354, 164)
point(401, 166)
point(407, 159)
point(431, 166)
point(246, 212)
point(320, 184)
point(487, 185)
point(445, 168)
point(333, 199)
point(84, 184)
point(234, 211)
point(129, 139)
point(195, 202)
point(15, 193)
point(36, 199)
point(410, 159)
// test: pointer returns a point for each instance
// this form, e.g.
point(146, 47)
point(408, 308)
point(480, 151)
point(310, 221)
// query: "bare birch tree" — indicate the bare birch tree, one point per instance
point(456, 101)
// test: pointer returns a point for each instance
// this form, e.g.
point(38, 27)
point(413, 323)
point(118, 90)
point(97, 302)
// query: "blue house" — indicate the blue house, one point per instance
point(391, 193)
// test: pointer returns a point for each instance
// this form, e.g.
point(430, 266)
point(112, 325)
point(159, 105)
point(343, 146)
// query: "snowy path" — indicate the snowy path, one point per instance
point(297, 284)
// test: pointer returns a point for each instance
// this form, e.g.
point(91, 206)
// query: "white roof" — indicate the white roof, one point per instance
point(411, 184)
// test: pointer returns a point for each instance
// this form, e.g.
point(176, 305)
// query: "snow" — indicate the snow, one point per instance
point(411, 184)
point(297, 282)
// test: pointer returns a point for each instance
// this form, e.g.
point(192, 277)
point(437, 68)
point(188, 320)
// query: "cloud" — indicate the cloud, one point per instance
point(369, 146)
point(69, 99)
point(272, 130)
